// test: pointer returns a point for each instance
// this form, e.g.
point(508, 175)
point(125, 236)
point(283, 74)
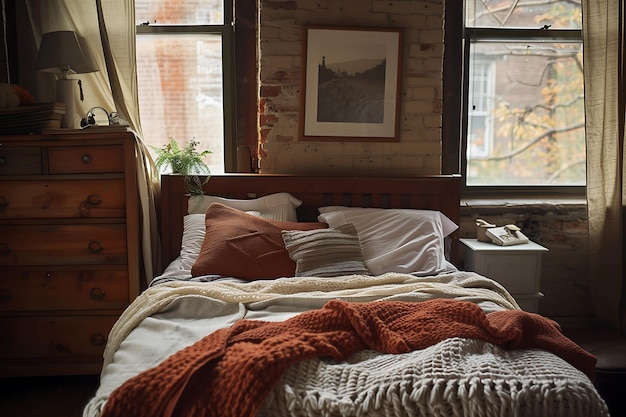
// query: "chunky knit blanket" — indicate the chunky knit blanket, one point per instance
point(455, 378)
point(232, 371)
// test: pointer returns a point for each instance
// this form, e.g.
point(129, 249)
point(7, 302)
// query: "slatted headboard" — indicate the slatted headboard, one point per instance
point(439, 192)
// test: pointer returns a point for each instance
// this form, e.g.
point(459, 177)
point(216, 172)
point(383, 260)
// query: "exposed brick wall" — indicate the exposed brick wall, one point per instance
point(418, 151)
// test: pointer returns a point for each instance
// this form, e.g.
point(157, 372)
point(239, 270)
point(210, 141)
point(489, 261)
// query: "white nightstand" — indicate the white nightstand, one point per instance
point(517, 268)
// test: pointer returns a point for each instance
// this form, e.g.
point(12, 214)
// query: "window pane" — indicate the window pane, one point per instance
point(180, 92)
point(180, 12)
point(479, 120)
point(530, 14)
point(526, 114)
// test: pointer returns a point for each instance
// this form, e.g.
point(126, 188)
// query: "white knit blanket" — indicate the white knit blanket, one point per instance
point(444, 379)
point(455, 378)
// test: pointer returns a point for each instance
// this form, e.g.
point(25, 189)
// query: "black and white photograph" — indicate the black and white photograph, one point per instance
point(350, 83)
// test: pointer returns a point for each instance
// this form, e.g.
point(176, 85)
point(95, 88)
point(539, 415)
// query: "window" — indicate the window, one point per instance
point(184, 71)
point(479, 121)
point(523, 94)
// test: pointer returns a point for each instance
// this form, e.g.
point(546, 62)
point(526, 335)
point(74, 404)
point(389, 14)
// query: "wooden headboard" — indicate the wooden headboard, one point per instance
point(439, 192)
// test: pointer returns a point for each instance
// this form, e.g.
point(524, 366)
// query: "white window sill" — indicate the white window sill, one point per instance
point(523, 203)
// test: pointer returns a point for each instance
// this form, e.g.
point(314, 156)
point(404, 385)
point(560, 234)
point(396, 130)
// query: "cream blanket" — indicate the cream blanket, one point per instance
point(173, 315)
point(305, 291)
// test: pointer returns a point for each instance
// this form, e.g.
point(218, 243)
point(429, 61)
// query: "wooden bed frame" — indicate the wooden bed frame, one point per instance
point(439, 192)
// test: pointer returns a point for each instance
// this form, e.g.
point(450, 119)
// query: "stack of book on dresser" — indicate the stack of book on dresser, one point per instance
point(30, 118)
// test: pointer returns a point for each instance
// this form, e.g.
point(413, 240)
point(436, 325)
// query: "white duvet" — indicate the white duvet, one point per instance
point(456, 377)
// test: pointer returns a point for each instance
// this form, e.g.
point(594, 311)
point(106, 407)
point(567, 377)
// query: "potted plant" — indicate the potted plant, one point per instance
point(185, 160)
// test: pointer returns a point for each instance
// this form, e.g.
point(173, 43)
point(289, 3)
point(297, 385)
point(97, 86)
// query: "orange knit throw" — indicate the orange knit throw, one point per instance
point(231, 371)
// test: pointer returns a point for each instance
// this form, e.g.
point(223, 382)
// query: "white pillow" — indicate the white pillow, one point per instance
point(396, 240)
point(278, 206)
point(448, 225)
point(193, 235)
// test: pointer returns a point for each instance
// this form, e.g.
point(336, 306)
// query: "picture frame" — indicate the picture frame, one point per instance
point(350, 83)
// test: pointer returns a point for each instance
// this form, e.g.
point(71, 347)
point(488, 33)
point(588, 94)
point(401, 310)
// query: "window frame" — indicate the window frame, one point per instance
point(227, 33)
point(455, 100)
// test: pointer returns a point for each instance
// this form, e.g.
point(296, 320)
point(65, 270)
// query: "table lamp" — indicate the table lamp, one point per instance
point(65, 53)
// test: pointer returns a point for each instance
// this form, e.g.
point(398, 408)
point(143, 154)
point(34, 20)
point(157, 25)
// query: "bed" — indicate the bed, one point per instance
point(287, 295)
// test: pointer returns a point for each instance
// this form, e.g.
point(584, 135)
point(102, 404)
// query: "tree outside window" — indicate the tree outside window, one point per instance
point(525, 111)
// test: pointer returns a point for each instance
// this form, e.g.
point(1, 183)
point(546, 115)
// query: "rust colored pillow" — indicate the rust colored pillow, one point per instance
point(240, 245)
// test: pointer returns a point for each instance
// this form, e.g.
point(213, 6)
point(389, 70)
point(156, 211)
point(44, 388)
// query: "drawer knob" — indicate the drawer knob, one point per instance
point(86, 159)
point(94, 199)
point(5, 295)
point(97, 293)
point(98, 340)
point(4, 249)
point(4, 202)
point(95, 246)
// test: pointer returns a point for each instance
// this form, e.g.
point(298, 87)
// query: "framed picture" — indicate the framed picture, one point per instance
point(350, 87)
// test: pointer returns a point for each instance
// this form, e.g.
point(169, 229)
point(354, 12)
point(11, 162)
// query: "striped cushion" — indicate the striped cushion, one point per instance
point(326, 252)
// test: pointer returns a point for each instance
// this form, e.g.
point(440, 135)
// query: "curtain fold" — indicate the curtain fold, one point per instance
point(603, 38)
point(108, 27)
point(119, 50)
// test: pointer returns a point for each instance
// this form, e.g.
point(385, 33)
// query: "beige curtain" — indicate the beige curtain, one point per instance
point(603, 35)
point(109, 29)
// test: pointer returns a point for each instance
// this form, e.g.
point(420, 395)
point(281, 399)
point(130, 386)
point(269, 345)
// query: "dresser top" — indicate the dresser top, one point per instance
point(101, 132)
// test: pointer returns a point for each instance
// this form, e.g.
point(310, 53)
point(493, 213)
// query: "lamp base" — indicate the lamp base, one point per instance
point(65, 95)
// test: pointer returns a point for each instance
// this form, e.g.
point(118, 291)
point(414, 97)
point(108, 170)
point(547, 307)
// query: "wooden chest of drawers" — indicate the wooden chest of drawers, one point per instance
point(69, 248)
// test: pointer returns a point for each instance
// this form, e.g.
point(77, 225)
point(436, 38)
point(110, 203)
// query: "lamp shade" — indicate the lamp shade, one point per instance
point(64, 52)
